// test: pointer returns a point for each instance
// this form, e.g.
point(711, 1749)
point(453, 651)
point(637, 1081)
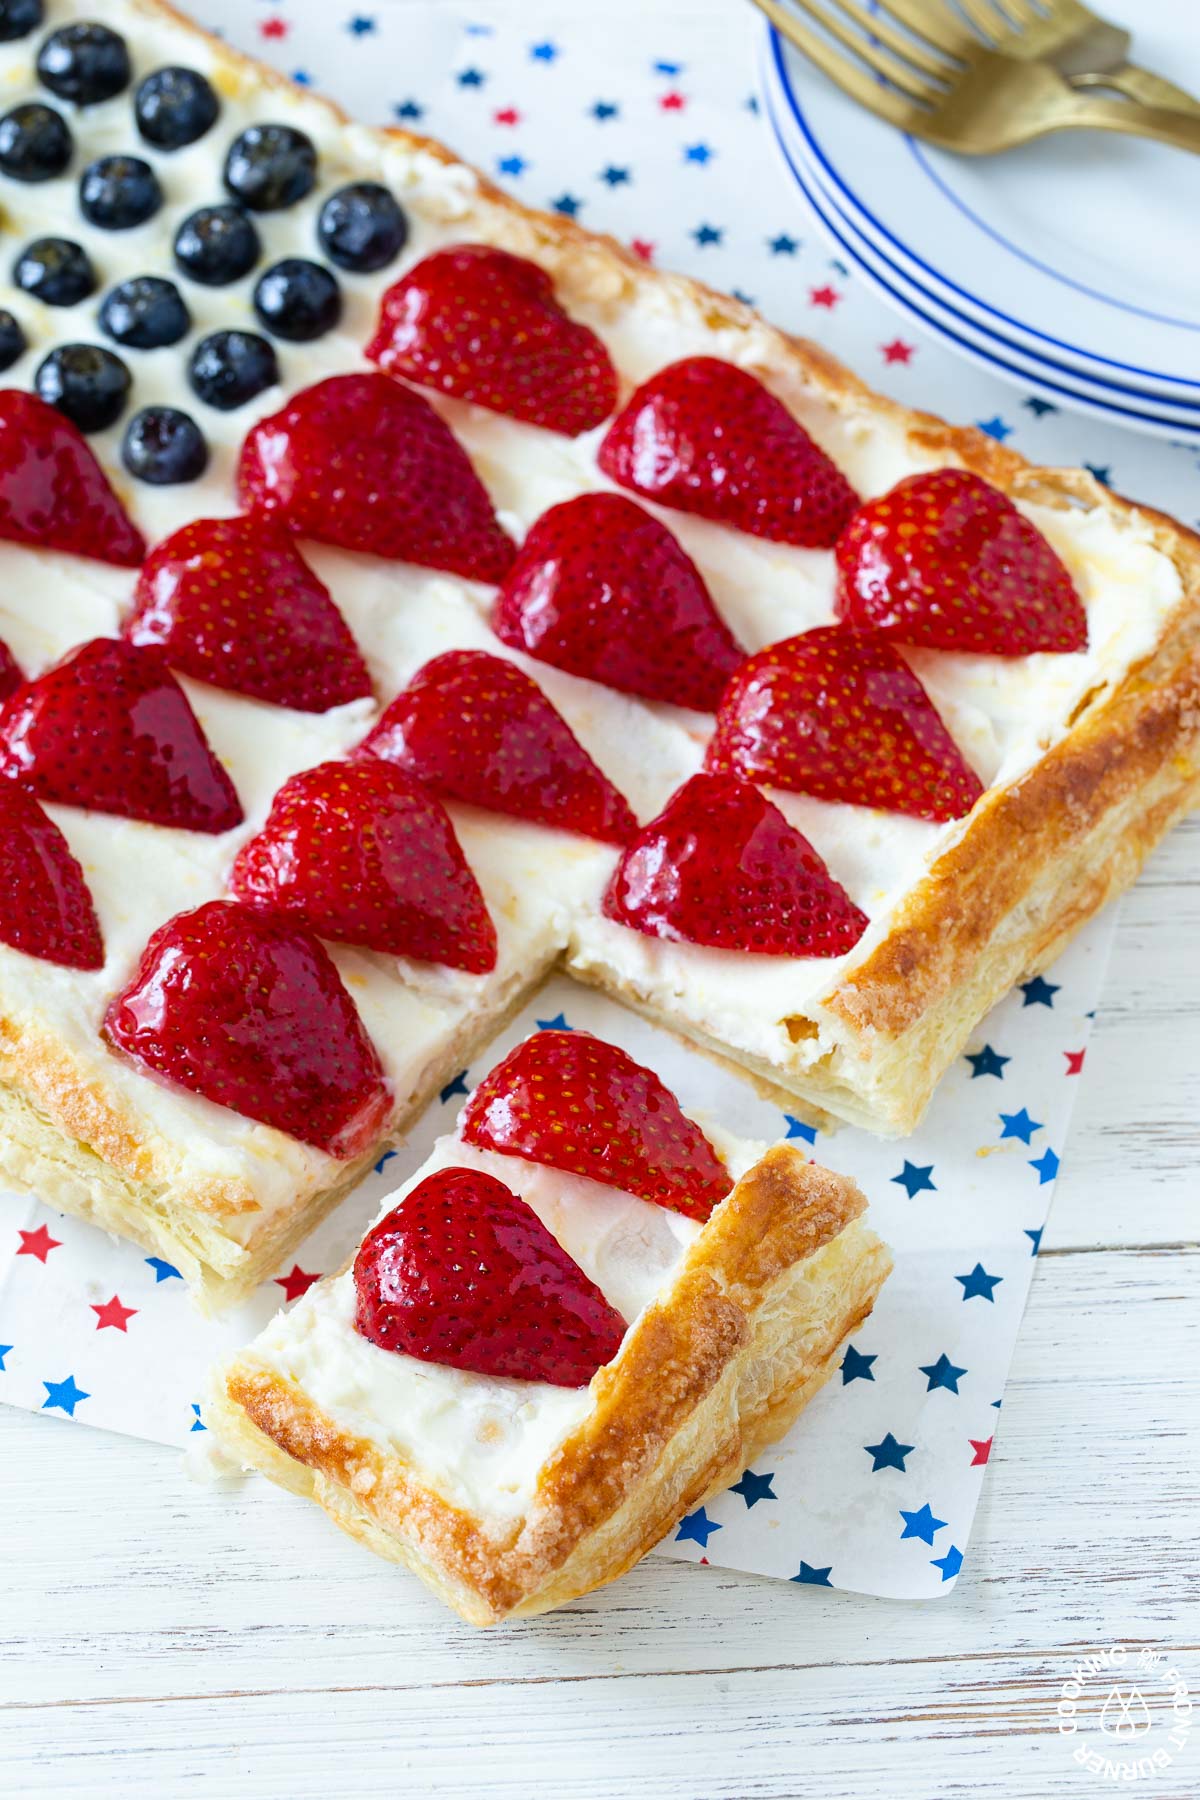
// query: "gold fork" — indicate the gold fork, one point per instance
point(971, 98)
point(1077, 42)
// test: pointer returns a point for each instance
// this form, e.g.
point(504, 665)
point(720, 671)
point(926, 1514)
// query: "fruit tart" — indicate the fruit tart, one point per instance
point(406, 593)
point(581, 1316)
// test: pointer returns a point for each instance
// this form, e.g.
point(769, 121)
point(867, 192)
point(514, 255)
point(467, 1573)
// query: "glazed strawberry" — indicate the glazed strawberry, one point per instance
point(572, 1101)
point(10, 674)
point(110, 728)
point(45, 907)
point(53, 492)
point(232, 602)
point(840, 714)
point(364, 463)
point(484, 325)
point(360, 853)
point(946, 560)
point(474, 727)
point(721, 866)
point(464, 1273)
point(601, 589)
point(707, 437)
point(246, 1009)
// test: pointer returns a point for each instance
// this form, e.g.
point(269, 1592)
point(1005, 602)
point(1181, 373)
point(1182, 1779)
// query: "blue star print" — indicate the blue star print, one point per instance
point(4, 1350)
point(707, 234)
point(457, 1086)
point(543, 52)
point(512, 165)
point(857, 1367)
point(920, 1524)
point(995, 428)
point(888, 1454)
point(197, 1423)
point(566, 204)
point(1038, 992)
point(615, 177)
point(783, 245)
point(557, 1023)
point(697, 1528)
point(1046, 1165)
point(361, 25)
point(471, 78)
point(163, 1271)
point(754, 1488)
point(383, 1161)
point(949, 1564)
point(814, 1577)
point(796, 1128)
point(978, 1284)
point(1102, 472)
point(604, 109)
point(697, 153)
point(1035, 1238)
point(64, 1394)
point(408, 109)
point(942, 1374)
point(667, 68)
point(1019, 1125)
point(987, 1062)
point(914, 1179)
point(301, 77)
point(1039, 408)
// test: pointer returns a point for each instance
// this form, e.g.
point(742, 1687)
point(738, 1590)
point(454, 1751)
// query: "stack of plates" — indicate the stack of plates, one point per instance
point(1071, 266)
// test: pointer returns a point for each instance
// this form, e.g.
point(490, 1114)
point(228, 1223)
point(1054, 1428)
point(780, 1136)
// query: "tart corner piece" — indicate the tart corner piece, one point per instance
point(718, 1365)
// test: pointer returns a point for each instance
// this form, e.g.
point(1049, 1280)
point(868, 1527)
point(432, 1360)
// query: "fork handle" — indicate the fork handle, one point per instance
point(1180, 129)
point(1141, 85)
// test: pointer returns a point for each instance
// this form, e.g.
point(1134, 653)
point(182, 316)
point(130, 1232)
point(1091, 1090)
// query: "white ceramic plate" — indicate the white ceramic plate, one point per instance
point(1085, 245)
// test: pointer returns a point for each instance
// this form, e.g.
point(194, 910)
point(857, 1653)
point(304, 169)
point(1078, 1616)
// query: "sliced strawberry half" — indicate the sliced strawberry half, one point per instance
point(232, 602)
point(110, 728)
point(474, 727)
point(946, 560)
point(246, 1009)
point(364, 463)
point(721, 866)
point(601, 589)
point(53, 492)
point(485, 325)
point(840, 714)
point(10, 673)
point(707, 437)
point(464, 1273)
point(572, 1101)
point(360, 853)
point(45, 907)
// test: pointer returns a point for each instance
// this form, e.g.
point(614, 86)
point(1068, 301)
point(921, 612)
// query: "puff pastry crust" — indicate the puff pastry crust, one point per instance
point(1038, 856)
point(717, 1367)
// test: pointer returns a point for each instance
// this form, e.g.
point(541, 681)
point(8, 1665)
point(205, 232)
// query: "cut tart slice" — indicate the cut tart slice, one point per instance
point(528, 1374)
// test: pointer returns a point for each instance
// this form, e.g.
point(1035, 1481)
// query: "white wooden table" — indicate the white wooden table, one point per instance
point(159, 1638)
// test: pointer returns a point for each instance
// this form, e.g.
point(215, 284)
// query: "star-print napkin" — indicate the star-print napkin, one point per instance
point(642, 121)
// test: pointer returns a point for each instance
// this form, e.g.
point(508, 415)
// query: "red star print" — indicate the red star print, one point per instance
point(642, 247)
point(672, 102)
point(982, 1448)
point(823, 296)
point(297, 1283)
point(1074, 1060)
point(507, 115)
point(273, 28)
point(37, 1243)
point(113, 1313)
point(898, 351)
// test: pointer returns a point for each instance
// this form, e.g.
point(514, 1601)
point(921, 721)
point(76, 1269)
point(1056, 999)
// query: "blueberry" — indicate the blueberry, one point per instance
point(35, 142)
point(217, 245)
point(145, 313)
point(361, 227)
point(12, 339)
point(55, 271)
point(230, 367)
point(118, 192)
point(163, 445)
point(85, 63)
point(270, 166)
point(88, 384)
point(174, 107)
point(298, 300)
point(18, 18)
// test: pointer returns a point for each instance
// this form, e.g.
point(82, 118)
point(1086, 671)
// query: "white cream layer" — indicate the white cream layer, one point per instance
point(543, 886)
point(480, 1440)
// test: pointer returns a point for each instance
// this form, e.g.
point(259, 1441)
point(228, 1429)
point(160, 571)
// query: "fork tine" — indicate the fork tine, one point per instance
point(876, 26)
point(932, 22)
point(882, 61)
point(1022, 13)
point(983, 17)
point(872, 94)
